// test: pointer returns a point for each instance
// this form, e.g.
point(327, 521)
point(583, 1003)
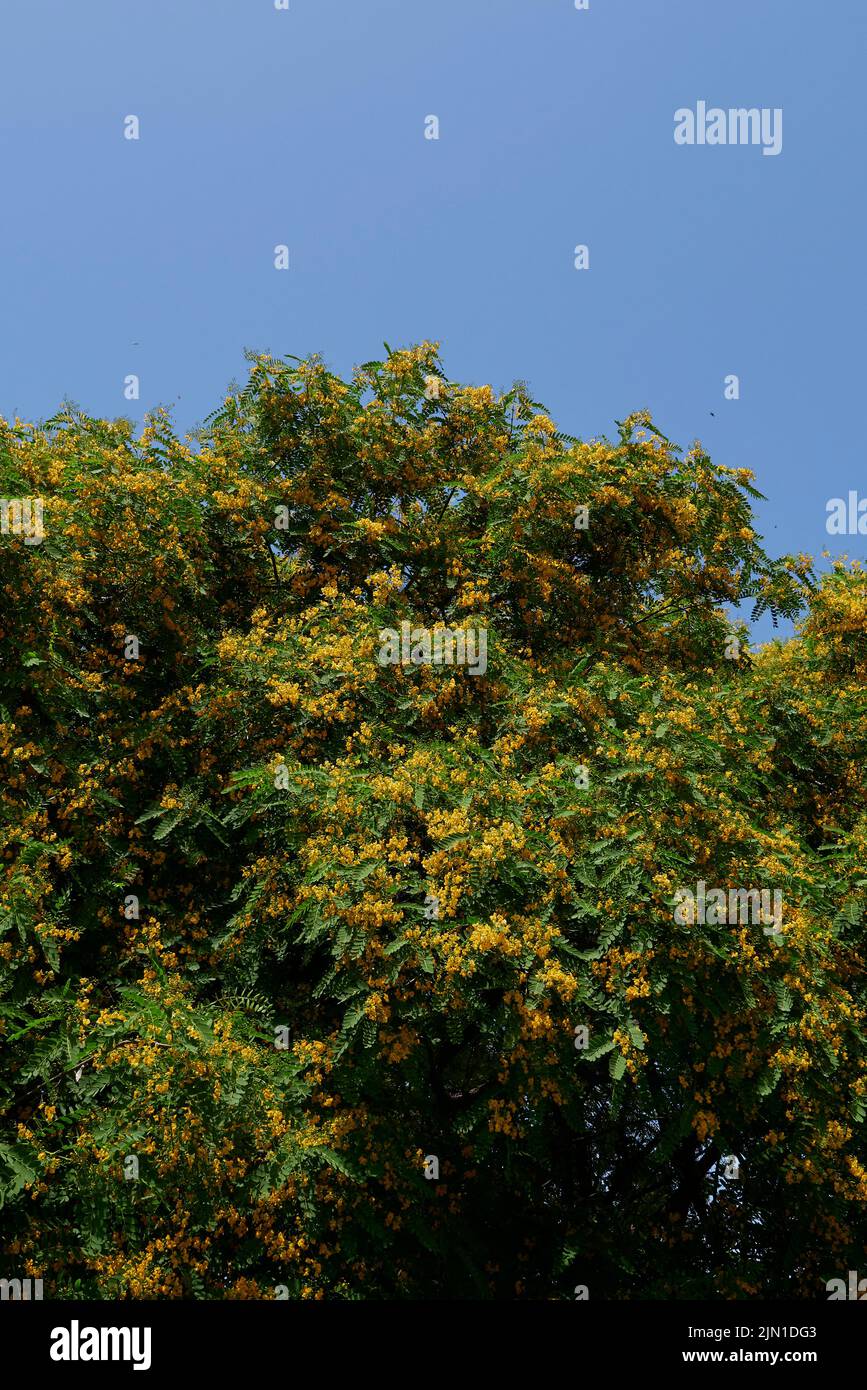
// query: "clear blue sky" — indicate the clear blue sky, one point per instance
point(306, 127)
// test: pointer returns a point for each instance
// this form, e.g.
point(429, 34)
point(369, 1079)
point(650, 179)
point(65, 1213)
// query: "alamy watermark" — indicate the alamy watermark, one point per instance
point(20, 1290)
point(846, 519)
point(838, 1289)
point(22, 516)
point(739, 125)
point(711, 906)
point(440, 646)
point(77, 1343)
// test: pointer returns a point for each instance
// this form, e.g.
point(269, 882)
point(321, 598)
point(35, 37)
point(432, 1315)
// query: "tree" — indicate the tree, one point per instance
point(334, 967)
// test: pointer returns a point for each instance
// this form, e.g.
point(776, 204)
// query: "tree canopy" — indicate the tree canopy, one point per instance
point(345, 979)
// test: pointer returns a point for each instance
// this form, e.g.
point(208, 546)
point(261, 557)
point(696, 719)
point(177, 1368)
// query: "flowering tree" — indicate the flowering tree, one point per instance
point(329, 974)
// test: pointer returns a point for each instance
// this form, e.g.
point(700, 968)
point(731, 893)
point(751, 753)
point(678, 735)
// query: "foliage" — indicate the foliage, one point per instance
point(285, 809)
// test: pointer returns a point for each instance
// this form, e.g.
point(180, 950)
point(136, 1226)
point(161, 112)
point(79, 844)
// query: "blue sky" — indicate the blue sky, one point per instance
point(306, 127)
